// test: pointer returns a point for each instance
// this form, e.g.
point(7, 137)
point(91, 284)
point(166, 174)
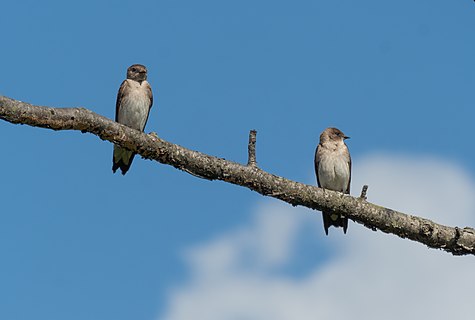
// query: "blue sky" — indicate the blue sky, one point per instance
point(78, 242)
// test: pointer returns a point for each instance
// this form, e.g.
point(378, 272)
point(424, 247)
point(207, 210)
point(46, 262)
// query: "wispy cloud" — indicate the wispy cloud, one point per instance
point(371, 276)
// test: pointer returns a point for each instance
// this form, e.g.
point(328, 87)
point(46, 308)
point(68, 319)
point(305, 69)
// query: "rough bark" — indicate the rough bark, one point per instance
point(458, 241)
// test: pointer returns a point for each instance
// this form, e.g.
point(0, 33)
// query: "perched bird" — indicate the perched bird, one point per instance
point(134, 101)
point(333, 170)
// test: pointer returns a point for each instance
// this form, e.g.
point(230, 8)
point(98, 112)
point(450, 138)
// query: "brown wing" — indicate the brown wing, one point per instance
point(349, 180)
point(317, 162)
point(120, 94)
point(150, 96)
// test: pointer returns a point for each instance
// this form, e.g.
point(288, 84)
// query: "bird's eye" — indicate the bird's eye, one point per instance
point(134, 70)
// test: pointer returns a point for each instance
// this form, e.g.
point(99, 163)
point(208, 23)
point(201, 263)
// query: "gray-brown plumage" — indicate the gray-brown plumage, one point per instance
point(134, 101)
point(333, 170)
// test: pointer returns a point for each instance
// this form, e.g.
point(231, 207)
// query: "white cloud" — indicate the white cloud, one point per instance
point(372, 276)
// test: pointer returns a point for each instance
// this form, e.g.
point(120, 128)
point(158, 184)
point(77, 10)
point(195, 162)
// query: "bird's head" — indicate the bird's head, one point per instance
point(332, 134)
point(137, 72)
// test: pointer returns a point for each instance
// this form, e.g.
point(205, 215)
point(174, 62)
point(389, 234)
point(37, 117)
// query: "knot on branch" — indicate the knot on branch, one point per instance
point(426, 230)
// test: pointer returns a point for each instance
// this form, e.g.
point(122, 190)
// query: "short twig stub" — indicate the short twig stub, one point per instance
point(363, 192)
point(251, 149)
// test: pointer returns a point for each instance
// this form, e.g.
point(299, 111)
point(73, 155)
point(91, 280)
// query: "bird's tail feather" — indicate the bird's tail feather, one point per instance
point(334, 219)
point(122, 159)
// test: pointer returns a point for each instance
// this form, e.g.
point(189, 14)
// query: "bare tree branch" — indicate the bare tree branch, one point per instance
point(458, 241)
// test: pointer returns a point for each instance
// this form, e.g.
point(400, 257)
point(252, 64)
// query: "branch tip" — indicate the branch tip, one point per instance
point(363, 192)
point(251, 149)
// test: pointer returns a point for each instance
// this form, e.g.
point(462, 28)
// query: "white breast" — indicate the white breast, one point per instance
point(334, 172)
point(135, 105)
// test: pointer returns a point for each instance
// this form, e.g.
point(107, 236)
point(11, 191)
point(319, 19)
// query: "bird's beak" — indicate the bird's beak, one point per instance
point(346, 137)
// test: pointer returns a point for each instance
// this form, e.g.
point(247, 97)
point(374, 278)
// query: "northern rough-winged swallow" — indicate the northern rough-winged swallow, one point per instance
point(134, 101)
point(333, 170)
